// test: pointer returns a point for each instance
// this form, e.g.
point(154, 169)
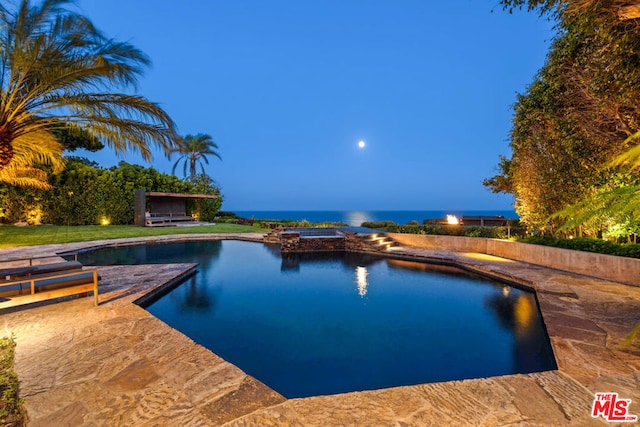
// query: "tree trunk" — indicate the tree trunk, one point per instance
point(6, 149)
point(192, 170)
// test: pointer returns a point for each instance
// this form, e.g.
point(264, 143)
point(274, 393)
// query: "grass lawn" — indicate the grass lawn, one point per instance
point(11, 236)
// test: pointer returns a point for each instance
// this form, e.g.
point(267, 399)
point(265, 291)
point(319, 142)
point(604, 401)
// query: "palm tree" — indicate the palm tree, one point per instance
point(194, 149)
point(29, 156)
point(57, 69)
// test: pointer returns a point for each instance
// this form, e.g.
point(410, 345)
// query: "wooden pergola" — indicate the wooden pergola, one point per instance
point(158, 208)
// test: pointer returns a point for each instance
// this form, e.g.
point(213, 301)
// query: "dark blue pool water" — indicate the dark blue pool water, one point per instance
point(329, 323)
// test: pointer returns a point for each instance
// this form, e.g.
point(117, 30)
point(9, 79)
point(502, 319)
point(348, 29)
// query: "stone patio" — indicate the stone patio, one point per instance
point(116, 364)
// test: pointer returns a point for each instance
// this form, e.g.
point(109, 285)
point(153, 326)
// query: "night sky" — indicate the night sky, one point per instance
point(287, 89)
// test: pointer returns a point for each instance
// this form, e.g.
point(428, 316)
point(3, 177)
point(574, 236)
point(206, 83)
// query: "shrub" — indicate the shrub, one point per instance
point(222, 215)
point(458, 230)
point(227, 218)
point(205, 209)
point(378, 224)
point(280, 223)
point(11, 410)
point(17, 204)
point(631, 250)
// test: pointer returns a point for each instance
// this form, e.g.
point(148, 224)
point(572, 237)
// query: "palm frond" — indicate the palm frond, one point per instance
point(32, 152)
point(24, 177)
point(56, 66)
point(608, 206)
point(173, 169)
point(631, 157)
point(38, 148)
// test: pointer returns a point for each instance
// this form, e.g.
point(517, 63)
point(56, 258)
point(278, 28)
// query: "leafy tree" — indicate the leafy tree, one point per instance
point(72, 137)
point(543, 6)
point(206, 209)
point(578, 114)
point(617, 202)
point(501, 183)
point(567, 9)
point(57, 70)
point(193, 149)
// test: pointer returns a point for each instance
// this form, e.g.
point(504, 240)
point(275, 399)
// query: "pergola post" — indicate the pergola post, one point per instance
point(139, 205)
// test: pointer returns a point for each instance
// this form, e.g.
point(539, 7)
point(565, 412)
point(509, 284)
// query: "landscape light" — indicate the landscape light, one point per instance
point(34, 216)
point(105, 221)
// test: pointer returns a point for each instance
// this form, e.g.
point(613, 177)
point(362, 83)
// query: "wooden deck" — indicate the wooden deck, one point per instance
point(35, 283)
point(66, 286)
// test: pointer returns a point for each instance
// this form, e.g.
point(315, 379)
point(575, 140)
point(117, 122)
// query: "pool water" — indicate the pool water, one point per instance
point(325, 323)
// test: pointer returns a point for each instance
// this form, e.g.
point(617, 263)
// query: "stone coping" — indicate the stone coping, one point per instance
point(116, 364)
point(603, 266)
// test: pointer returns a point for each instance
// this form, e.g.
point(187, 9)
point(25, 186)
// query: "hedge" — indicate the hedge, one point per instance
point(458, 230)
point(630, 250)
point(84, 194)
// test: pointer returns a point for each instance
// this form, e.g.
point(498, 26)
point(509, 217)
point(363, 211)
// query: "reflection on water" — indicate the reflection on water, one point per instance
point(524, 313)
point(355, 218)
point(361, 280)
point(292, 261)
point(427, 268)
point(202, 252)
point(274, 249)
point(197, 297)
point(518, 312)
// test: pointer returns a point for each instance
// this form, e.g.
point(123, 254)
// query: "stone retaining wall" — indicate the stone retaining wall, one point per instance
point(293, 242)
point(357, 243)
point(618, 269)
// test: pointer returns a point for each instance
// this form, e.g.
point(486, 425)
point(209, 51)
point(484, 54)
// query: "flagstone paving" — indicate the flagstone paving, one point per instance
point(117, 365)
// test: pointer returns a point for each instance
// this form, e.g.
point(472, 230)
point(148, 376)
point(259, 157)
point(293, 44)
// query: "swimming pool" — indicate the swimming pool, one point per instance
point(325, 323)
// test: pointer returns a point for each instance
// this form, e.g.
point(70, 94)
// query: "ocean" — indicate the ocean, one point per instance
point(356, 218)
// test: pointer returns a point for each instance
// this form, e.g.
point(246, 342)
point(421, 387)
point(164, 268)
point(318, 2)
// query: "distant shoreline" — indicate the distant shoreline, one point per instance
point(355, 218)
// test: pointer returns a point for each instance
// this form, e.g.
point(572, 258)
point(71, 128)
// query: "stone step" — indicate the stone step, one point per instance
point(381, 242)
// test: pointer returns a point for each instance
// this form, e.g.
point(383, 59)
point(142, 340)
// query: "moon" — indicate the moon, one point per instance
point(361, 144)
